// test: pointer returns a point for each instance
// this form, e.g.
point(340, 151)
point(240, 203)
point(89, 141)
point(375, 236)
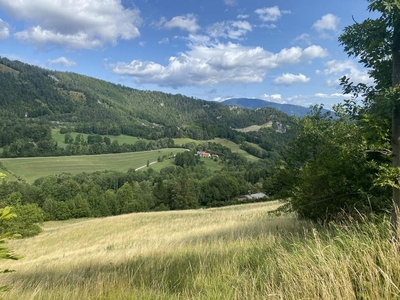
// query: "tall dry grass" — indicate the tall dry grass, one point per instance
point(228, 253)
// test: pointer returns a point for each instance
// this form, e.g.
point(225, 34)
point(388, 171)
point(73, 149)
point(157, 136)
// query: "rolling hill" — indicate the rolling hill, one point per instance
point(70, 97)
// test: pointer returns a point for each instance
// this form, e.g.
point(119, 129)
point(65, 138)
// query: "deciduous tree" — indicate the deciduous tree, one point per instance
point(376, 45)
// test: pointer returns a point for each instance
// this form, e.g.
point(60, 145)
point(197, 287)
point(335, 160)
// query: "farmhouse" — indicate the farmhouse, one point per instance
point(205, 154)
point(252, 196)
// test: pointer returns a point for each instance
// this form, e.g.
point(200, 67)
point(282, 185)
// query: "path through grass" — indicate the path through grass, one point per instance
point(35, 167)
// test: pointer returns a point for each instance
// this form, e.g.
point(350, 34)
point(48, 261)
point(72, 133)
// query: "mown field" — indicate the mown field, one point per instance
point(254, 127)
point(32, 168)
point(125, 139)
point(238, 252)
point(122, 139)
point(235, 148)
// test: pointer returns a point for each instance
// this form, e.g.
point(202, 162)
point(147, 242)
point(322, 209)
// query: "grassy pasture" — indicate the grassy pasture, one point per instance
point(237, 252)
point(212, 165)
point(235, 148)
point(36, 167)
point(122, 139)
point(255, 127)
point(125, 139)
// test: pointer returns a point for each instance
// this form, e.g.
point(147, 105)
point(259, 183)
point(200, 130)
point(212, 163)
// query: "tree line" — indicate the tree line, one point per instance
point(185, 185)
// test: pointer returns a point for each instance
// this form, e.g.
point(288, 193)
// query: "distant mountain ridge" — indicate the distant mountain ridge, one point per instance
point(250, 103)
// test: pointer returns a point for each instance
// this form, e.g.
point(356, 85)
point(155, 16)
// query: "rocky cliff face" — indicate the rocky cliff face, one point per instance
point(279, 127)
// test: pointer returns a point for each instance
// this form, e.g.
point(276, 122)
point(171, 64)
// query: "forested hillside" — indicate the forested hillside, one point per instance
point(87, 114)
point(69, 97)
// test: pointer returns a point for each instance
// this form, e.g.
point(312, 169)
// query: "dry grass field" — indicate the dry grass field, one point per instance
point(237, 252)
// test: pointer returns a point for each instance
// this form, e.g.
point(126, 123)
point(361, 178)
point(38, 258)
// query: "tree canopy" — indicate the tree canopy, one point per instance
point(376, 45)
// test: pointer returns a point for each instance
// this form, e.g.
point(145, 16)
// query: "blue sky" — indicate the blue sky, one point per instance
point(282, 51)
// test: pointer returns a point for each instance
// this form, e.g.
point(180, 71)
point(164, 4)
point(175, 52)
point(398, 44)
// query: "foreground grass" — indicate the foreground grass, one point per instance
point(229, 253)
point(35, 167)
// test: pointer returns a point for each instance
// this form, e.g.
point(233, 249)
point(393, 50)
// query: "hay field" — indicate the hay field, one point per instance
point(32, 168)
point(122, 139)
point(237, 252)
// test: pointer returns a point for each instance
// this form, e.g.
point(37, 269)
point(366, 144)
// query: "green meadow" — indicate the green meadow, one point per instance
point(32, 168)
point(122, 139)
point(125, 139)
point(235, 148)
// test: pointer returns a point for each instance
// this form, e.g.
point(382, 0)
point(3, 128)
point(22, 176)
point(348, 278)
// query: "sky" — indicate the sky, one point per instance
point(281, 51)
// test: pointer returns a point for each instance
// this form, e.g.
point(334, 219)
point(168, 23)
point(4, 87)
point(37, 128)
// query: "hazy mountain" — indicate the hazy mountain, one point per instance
point(289, 109)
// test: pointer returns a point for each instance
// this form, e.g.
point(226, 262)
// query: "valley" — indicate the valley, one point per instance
point(32, 168)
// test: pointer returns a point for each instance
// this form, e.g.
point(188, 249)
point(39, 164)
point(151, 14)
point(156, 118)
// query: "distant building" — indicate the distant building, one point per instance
point(252, 196)
point(206, 154)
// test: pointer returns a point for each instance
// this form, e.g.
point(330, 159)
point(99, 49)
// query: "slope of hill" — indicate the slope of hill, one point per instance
point(33, 98)
point(31, 168)
point(69, 97)
point(289, 109)
point(237, 252)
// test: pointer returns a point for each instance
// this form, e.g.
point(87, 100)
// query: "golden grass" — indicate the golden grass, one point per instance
point(5, 69)
point(254, 127)
point(237, 252)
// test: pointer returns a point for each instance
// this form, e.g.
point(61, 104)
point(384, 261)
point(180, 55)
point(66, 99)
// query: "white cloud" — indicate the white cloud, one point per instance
point(63, 61)
point(216, 64)
point(4, 30)
point(198, 39)
point(242, 16)
point(296, 54)
point(303, 37)
point(12, 56)
point(273, 97)
point(332, 96)
point(269, 26)
point(74, 24)
point(271, 14)
point(307, 100)
point(142, 43)
point(164, 41)
point(335, 69)
point(187, 22)
point(229, 29)
point(328, 23)
point(288, 79)
point(231, 2)
point(302, 100)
